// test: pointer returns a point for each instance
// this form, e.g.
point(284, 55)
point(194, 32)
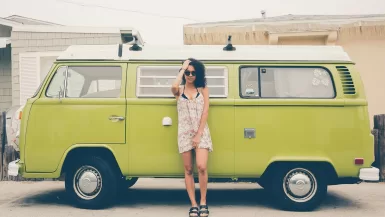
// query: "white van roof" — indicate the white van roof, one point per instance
point(207, 53)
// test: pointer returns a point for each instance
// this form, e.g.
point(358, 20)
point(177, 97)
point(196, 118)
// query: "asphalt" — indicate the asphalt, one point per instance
point(167, 197)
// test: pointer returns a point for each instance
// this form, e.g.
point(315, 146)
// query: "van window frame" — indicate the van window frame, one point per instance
point(51, 79)
point(177, 67)
point(67, 67)
point(280, 66)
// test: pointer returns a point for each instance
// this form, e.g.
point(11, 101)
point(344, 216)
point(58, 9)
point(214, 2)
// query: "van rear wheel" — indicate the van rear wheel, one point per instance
point(91, 183)
point(298, 188)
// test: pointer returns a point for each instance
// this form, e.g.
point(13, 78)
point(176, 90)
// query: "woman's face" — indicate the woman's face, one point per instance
point(190, 75)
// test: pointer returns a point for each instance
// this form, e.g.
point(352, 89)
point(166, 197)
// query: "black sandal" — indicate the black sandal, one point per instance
point(205, 210)
point(194, 210)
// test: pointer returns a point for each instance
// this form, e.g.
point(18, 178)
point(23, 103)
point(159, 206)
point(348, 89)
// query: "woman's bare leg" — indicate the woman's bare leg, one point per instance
point(202, 158)
point(189, 177)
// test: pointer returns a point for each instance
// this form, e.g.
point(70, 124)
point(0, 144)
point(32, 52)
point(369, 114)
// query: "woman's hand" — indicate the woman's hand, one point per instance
point(178, 79)
point(196, 140)
point(185, 65)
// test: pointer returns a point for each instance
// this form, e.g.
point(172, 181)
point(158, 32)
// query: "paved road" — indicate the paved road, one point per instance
point(167, 197)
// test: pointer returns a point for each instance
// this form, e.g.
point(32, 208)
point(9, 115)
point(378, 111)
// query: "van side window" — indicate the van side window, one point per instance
point(296, 82)
point(156, 81)
point(57, 83)
point(249, 85)
point(75, 83)
point(94, 81)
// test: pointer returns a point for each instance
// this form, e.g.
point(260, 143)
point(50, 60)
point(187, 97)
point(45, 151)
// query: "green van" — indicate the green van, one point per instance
point(292, 118)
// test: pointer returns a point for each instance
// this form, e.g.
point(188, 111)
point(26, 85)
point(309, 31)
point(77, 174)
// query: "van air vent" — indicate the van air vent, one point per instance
point(347, 80)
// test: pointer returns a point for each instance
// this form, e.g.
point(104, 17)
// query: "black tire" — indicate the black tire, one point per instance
point(125, 184)
point(130, 182)
point(101, 173)
point(292, 197)
point(266, 185)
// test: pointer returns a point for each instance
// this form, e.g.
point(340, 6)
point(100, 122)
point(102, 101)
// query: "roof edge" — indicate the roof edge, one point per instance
point(31, 19)
point(276, 19)
point(71, 29)
point(9, 23)
point(79, 29)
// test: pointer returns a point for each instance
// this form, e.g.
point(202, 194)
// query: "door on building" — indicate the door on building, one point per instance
point(33, 68)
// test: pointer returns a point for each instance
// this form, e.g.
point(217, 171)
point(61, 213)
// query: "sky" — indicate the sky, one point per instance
point(161, 21)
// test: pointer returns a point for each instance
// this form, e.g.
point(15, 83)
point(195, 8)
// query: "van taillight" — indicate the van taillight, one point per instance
point(20, 114)
point(358, 161)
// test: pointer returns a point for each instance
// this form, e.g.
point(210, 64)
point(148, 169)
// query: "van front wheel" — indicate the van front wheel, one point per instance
point(298, 188)
point(91, 183)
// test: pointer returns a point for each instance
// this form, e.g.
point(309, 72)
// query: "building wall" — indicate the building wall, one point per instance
point(302, 40)
point(41, 42)
point(365, 44)
point(5, 31)
point(5, 79)
point(369, 56)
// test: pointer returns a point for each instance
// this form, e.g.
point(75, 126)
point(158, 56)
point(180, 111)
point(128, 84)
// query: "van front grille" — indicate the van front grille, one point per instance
point(347, 80)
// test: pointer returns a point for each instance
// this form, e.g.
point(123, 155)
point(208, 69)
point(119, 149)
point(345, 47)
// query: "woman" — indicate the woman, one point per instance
point(193, 131)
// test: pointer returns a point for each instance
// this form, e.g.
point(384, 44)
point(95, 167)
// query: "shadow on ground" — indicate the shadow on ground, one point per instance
point(138, 197)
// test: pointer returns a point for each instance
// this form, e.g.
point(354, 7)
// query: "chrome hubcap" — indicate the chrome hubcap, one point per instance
point(300, 185)
point(87, 182)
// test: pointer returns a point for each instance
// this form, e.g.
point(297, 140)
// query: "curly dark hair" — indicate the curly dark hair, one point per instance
point(200, 80)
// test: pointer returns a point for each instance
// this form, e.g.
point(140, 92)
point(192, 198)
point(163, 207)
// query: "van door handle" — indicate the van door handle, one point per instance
point(116, 118)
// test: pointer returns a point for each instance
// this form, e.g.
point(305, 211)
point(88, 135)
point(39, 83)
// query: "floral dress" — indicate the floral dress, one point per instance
point(189, 117)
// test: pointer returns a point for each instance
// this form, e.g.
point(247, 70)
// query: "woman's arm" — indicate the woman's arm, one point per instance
point(175, 85)
point(205, 113)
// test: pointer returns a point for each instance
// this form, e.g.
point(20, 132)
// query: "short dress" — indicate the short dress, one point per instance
point(189, 117)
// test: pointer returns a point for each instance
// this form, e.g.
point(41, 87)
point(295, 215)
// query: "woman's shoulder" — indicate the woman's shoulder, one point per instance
point(203, 89)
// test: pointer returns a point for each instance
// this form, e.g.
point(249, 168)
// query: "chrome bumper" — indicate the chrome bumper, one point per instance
point(13, 168)
point(370, 174)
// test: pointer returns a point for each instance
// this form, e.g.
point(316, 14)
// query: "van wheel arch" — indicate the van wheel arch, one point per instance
point(298, 186)
point(101, 152)
point(274, 167)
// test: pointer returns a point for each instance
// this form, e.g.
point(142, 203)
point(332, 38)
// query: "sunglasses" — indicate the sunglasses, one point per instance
point(188, 73)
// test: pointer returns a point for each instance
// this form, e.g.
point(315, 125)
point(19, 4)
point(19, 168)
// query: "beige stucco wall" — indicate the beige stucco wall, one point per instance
point(363, 41)
point(50, 41)
point(311, 40)
point(369, 56)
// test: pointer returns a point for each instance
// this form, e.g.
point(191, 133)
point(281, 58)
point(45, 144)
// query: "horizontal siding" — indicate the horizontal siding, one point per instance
point(5, 79)
point(42, 42)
